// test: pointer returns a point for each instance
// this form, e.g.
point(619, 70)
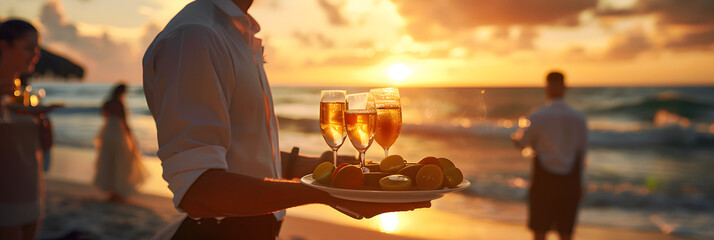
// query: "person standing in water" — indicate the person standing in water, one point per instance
point(558, 136)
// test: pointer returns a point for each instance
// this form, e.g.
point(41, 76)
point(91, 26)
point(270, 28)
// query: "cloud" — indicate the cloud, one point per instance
point(701, 40)
point(350, 60)
point(429, 20)
point(694, 18)
point(104, 59)
point(575, 53)
point(504, 40)
point(313, 38)
point(364, 44)
point(271, 4)
point(628, 45)
point(333, 12)
point(526, 38)
point(150, 32)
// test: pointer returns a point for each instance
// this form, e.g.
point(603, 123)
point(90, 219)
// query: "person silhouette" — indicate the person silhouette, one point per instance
point(119, 168)
point(21, 202)
point(558, 136)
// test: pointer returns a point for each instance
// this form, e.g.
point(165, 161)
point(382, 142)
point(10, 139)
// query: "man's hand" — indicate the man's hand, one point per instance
point(359, 210)
point(218, 193)
point(305, 165)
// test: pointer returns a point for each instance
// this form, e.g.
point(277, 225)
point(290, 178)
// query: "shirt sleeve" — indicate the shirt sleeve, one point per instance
point(187, 97)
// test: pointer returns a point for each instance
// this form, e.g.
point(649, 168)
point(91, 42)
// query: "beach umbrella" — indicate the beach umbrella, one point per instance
point(57, 66)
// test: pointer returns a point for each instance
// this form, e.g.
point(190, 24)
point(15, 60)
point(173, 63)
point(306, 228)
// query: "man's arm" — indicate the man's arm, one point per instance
point(188, 99)
point(218, 193)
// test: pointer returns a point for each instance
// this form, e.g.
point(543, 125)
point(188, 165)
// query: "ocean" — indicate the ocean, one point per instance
point(649, 162)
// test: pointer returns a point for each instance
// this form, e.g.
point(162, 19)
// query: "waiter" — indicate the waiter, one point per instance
point(558, 136)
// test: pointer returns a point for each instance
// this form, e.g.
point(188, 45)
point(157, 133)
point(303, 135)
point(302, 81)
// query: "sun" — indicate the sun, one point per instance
point(399, 72)
point(388, 222)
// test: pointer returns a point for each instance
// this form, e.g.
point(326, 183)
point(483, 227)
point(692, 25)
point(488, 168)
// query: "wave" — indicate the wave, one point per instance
point(84, 144)
point(77, 110)
point(673, 135)
point(96, 111)
point(624, 196)
point(647, 107)
point(648, 135)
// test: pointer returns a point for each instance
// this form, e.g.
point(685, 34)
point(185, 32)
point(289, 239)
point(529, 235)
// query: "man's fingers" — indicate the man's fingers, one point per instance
point(349, 212)
point(412, 206)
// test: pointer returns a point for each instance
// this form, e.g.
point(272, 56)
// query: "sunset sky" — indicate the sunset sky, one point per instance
point(440, 43)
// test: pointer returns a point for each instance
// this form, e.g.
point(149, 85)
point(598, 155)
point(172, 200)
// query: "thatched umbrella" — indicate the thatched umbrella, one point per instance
point(56, 66)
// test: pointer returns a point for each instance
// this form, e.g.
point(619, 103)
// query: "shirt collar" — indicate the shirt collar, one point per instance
point(230, 9)
point(558, 102)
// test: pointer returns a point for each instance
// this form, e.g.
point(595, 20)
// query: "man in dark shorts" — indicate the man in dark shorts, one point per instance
point(557, 136)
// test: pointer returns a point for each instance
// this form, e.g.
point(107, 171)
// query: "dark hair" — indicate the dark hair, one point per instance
point(14, 29)
point(119, 89)
point(555, 78)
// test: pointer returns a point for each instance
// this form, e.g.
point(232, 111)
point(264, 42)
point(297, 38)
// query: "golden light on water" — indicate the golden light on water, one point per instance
point(523, 122)
point(505, 123)
point(528, 152)
point(16, 93)
point(465, 123)
point(518, 182)
point(34, 101)
point(42, 93)
point(388, 222)
point(685, 123)
point(399, 72)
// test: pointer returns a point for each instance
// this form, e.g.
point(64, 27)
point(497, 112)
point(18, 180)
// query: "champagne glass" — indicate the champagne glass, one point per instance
point(389, 116)
point(360, 121)
point(332, 119)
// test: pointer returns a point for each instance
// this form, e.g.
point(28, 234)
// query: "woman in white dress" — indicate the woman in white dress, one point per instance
point(119, 168)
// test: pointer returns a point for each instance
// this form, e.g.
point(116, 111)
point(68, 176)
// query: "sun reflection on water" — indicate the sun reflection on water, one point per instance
point(388, 222)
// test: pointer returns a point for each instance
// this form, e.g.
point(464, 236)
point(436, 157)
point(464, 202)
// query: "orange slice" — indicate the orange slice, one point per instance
point(453, 177)
point(430, 177)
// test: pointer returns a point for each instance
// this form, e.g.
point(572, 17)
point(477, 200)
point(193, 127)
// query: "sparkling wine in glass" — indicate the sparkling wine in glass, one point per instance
point(389, 116)
point(360, 121)
point(332, 119)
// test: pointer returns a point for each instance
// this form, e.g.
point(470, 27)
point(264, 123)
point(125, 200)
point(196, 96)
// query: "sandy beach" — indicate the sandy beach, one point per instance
point(73, 205)
point(80, 208)
point(606, 105)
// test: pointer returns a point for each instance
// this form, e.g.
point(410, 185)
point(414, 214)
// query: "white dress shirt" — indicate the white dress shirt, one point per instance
point(557, 134)
point(206, 88)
